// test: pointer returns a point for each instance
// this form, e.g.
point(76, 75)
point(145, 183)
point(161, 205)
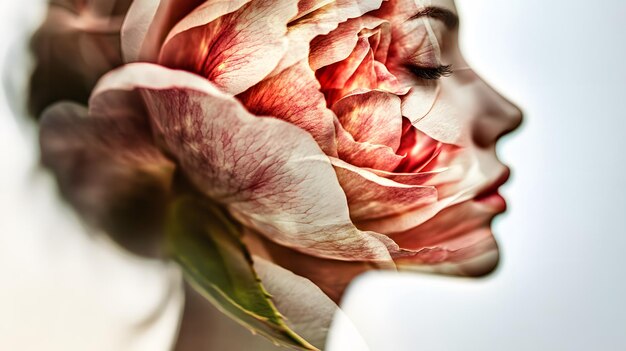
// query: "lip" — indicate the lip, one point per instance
point(490, 195)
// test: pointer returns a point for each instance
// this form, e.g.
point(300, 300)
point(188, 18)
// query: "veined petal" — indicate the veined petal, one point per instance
point(373, 116)
point(364, 154)
point(204, 14)
point(408, 219)
point(371, 197)
point(235, 50)
point(387, 81)
point(467, 248)
point(271, 175)
point(331, 276)
point(477, 169)
point(147, 23)
point(321, 21)
point(398, 10)
point(338, 44)
point(423, 153)
point(294, 96)
point(434, 178)
point(337, 75)
point(305, 7)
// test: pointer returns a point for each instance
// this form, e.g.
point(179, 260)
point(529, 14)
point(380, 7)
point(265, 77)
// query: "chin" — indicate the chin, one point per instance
point(457, 241)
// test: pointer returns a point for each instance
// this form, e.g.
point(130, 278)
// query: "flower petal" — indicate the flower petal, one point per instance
point(270, 174)
point(423, 153)
point(371, 197)
point(146, 25)
point(331, 276)
point(359, 71)
point(320, 22)
point(373, 116)
point(337, 75)
point(468, 247)
point(235, 50)
point(109, 170)
point(387, 81)
point(477, 170)
point(434, 178)
point(310, 319)
point(364, 154)
point(294, 96)
point(305, 7)
point(338, 44)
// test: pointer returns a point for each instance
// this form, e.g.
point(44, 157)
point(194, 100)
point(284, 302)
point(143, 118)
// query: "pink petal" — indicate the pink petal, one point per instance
point(383, 40)
point(423, 153)
point(387, 81)
point(434, 178)
point(339, 44)
point(364, 154)
point(373, 117)
point(359, 71)
point(147, 23)
point(331, 276)
point(469, 242)
point(371, 197)
point(337, 75)
point(271, 175)
point(476, 170)
point(294, 96)
point(236, 50)
point(398, 11)
point(312, 319)
point(320, 22)
point(305, 7)
point(207, 12)
point(407, 219)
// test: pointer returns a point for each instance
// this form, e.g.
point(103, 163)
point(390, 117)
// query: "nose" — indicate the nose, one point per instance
point(497, 117)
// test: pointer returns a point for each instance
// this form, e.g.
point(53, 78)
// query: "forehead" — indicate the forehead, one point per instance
point(446, 4)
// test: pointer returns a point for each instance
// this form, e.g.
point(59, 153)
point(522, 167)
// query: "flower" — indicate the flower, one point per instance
point(302, 119)
point(77, 43)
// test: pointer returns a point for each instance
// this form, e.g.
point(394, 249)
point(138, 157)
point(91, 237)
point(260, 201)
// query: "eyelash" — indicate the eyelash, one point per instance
point(430, 73)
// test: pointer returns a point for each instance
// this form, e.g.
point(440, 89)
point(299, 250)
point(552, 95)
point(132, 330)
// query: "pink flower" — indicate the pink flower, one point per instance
point(304, 119)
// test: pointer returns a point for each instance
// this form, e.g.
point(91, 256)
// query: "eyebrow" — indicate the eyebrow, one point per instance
point(449, 18)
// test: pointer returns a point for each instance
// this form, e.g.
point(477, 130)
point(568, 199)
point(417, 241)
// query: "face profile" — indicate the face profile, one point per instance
point(280, 144)
point(467, 112)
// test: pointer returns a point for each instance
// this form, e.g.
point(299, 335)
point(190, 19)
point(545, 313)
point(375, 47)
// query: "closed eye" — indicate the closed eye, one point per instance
point(430, 73)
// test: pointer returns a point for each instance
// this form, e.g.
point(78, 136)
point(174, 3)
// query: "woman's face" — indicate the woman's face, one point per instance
point(467, 112)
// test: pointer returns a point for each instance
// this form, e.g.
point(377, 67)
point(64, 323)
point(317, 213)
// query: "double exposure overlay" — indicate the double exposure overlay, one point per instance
point(275, 149)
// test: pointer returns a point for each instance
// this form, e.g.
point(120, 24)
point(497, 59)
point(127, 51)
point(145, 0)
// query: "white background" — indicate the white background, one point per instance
point(560, 285)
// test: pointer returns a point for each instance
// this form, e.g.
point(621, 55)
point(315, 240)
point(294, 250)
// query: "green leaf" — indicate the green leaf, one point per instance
point(207, 245)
